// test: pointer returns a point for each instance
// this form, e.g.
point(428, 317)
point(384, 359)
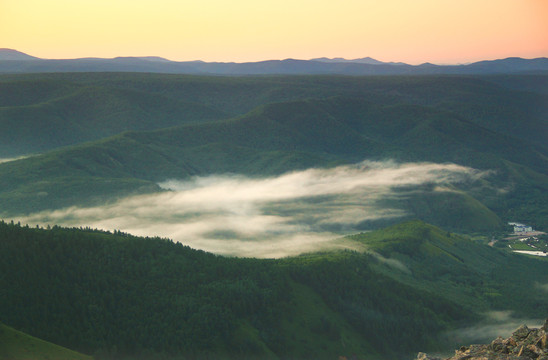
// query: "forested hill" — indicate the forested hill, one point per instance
point(116, 295)
point(72, 107)
point(293, 135)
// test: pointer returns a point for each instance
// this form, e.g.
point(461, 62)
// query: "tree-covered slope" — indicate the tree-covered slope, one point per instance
point(276, 138)
point(41, 115)
point(18, 345)
point(68, 105)
point(118, 295)
point(459, 268)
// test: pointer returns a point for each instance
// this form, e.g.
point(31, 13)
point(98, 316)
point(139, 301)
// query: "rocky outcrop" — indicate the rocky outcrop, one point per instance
point(524, 344)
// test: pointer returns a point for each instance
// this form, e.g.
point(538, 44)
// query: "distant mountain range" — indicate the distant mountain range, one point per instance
point(14, 55)
point(12, 61)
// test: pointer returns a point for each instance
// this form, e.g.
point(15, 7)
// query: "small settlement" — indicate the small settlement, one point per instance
point(529, 237)
point(521, 229)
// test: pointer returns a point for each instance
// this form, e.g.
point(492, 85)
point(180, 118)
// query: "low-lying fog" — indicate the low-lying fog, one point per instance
point(289, 214)
point(4, 160)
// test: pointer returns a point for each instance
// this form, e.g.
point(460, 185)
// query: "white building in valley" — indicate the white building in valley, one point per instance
point(521, 228)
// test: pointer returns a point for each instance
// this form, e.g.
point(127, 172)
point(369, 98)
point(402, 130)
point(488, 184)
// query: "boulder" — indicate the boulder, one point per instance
point(524, 344)
point(521, 333)
point(510, 342)
point(423, 356)
point(543, 342)
point(499, 346)
point(533, 351)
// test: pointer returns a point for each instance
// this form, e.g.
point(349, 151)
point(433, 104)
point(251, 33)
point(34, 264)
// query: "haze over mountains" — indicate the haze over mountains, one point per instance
point(12, 61)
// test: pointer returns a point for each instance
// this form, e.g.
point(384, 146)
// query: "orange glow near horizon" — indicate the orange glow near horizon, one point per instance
point(438, 31)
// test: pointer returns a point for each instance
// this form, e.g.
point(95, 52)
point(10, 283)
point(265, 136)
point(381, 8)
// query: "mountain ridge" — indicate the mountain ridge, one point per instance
point(19, 62)
point(54, 99)
point(271, 140)
point(14, 55)
point(267, 126)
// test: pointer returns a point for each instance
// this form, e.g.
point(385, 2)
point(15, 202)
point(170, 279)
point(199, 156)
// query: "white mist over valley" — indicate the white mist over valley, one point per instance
point(296, 212)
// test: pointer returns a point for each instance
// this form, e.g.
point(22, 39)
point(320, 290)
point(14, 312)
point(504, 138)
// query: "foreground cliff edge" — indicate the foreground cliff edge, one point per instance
point(524, 344)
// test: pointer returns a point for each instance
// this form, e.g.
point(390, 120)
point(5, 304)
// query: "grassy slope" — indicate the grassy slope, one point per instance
point(18, 345)
point(451, 209)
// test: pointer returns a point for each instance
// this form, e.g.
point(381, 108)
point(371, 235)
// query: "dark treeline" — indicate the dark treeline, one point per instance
point(118, 296)
point(114, 295)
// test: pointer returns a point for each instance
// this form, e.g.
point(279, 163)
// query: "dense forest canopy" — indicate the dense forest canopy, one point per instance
point(182, 126)
point(290, 157)
point(113, 294)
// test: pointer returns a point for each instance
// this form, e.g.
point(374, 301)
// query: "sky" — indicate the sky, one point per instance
point(411, 31)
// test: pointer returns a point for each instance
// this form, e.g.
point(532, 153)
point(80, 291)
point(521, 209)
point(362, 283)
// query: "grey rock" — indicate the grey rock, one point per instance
point(498, 345)
point(423, 356)
point(521, 333)
point(543, 341)
point(524, 344)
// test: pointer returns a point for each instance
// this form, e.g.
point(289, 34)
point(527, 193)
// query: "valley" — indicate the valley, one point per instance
point(536, 244)
point(273, 180)
point(164, 216)
point(285, 124)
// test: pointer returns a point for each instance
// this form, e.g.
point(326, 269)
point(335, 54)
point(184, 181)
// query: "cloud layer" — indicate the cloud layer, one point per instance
point(264, 217)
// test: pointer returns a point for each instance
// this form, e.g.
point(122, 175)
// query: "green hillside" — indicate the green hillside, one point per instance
point(281, 137)
point(451, 209)
point(42, 115)
point(17, 345)
point(82, 107)
point(104, 136)
point(121, 295)
point(146, 128)
point(457, 267)
point(115, 295)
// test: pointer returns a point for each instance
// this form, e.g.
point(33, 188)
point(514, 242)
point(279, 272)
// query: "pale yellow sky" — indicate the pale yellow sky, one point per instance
point(412, 31)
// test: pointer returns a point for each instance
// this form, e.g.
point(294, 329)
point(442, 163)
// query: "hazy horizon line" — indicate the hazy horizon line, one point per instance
point(333, 59)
